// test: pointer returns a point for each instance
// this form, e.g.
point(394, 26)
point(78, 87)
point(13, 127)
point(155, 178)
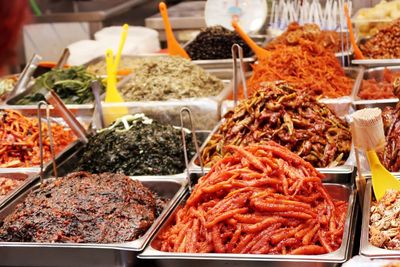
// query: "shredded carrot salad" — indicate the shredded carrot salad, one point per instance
point(19, 135)
point(308, 66)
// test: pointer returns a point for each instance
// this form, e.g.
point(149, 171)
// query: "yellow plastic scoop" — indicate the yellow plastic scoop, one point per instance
point(260, 52)
point(174, 49)
point(357, 52)
point(112, 94)
point(369, 135)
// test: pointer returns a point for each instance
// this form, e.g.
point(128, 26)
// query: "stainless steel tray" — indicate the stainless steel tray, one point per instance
point(366, 248)
point(26, 176)
point(341, 174)
point(377, 74)
point(206, 110)
point(78, 254)
point(75, 108)
point(341, 106)
point(83, 116)
point(67, 161)
point(341, 192)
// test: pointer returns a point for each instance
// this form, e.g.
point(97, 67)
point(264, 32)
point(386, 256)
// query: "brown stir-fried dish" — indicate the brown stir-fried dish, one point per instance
point(261, 199)
point(384, 44)
point(330, 40)
point(385, 222)
point(7, 185)
point(290, 117)
point(83, 208)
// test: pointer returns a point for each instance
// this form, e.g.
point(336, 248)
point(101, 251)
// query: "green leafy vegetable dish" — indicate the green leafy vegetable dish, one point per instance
point(71, 84)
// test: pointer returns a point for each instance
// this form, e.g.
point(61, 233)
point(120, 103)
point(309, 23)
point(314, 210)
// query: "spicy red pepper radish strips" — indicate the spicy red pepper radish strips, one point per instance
point(260, 199)
point(19, 135)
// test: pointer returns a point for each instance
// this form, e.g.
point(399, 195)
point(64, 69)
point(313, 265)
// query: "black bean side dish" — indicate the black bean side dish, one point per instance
point(84, 208)
point(215, 43)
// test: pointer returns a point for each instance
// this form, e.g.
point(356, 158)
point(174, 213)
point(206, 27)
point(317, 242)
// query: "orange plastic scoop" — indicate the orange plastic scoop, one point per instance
point(260, 52)
point(174, 49)
point(357, 52)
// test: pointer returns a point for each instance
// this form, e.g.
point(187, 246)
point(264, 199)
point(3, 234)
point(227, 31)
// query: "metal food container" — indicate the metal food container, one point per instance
point(75, 108)
point(366, 248)
point(341, 174)
point(25, 176)
point(213, 64)
point(86, 254)
point(377, 74)
point(341, 106)
point(336, 258)
point(205, 111)
point(84, 116)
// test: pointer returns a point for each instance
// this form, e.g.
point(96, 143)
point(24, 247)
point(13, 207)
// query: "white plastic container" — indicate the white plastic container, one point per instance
point(144, 39)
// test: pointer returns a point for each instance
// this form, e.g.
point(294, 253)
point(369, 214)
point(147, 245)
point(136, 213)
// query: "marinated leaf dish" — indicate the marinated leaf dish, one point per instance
point(71, 84)
point(83, 208)
point(146, 147)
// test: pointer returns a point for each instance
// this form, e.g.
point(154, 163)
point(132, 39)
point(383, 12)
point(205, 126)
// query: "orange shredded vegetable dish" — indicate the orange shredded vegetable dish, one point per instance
point(20, 140)
point(260, 199)
point(307, 65)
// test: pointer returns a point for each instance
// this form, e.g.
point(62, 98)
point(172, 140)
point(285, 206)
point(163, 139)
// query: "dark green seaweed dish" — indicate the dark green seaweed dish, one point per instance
point(136, 145)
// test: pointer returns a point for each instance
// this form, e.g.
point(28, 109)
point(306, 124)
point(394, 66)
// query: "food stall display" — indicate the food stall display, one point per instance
point(273, 184)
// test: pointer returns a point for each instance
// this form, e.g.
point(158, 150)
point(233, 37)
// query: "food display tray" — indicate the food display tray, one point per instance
point(205, 111)
point(343, 174)
point(79, 254)
point(336, 258)
point(366, 248)
point(25, 175)
point(341, 106)
point(377, 74)
point(75, 108)
point(83, 116)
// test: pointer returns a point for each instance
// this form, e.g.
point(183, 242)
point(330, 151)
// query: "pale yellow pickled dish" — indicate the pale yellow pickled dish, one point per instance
point(368, 21)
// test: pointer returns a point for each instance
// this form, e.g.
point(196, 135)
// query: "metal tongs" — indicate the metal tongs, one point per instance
point(196, 145)
point(67, 115)
point(63, 59)
point(50, 134)
point(95, 85)
point(237, 51)
point(25, 75)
